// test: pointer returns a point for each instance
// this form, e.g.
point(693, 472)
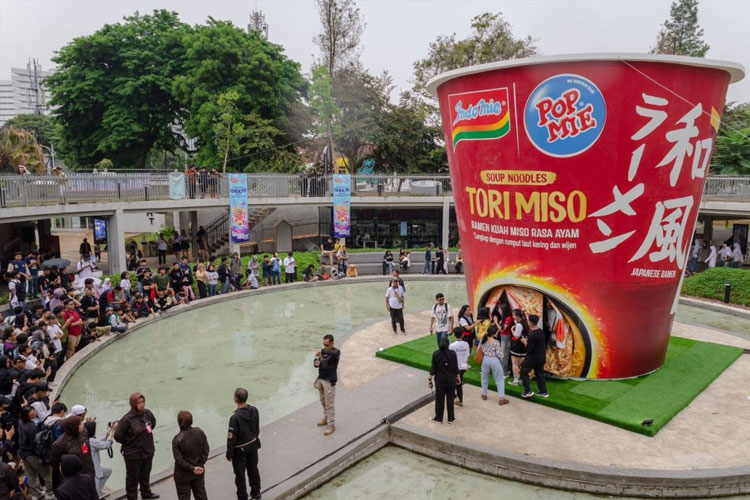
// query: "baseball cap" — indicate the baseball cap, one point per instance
point(78, 410)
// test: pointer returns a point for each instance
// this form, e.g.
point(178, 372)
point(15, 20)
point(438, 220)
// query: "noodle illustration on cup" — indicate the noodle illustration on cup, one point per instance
point(577, 182)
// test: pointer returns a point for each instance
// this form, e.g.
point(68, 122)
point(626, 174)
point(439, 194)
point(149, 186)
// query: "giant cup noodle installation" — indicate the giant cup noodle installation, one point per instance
point(577, 182)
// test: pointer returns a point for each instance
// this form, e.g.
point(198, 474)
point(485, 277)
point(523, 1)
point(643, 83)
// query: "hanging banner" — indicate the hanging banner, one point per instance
point(342, 191)
point(176, 185)
point(238, 212)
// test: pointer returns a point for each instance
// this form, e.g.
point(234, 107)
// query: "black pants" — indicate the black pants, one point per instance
point(162, 257)
point(444, 395)
point(137, 471)
point(460, 387)
point(202, 290)
point(529, 364)
point(246, 462)
point(197, 484)
point(441, 267)
point(397, 316)
point(290, 277)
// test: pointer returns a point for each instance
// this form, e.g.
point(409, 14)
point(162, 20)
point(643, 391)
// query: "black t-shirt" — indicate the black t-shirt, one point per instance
point(329, 362)
point(42, 283)
point(328, 246)
point(147, 283)
point(175, 276)
point(90, 301)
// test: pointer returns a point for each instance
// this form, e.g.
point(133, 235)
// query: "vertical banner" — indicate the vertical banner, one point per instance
point(342, 191)
point(238, 212)
point(176, 185)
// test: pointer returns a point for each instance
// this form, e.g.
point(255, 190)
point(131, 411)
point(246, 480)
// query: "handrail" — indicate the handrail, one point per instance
point(28, 190)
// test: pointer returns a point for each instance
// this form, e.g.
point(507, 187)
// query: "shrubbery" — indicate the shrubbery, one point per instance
point(710, 285)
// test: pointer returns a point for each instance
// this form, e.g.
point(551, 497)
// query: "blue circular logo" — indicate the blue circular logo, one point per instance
point(565, 115)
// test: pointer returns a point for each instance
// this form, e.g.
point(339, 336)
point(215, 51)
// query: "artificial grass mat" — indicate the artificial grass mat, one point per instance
point(689, 368)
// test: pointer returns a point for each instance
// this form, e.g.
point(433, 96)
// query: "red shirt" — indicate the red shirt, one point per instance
point(73, 331)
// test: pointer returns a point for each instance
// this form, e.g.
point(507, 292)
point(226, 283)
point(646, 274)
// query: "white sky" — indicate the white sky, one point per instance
point(398, 31)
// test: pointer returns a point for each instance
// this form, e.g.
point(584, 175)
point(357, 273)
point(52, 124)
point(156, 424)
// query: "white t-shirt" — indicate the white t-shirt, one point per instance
point(462, 351)
point(84, 269)
point(125, 284)
point(442, 315)
point(289, 265)
point(12, 285)
point(395, 297)
point(517, 330)
point(54, 332)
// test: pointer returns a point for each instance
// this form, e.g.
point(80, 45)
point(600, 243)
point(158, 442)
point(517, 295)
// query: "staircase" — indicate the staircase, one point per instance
point(217, 231)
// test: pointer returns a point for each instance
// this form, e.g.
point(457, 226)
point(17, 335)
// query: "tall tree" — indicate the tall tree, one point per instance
point(40, 126)
point(342, 28)
point(680, 34)
point(112, 92)
point(19, 147)
point(491, 39)
point(323, 106)
point(221, 58)
point(228, 126)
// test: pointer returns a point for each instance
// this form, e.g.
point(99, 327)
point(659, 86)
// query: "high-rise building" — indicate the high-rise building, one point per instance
point(25, 92)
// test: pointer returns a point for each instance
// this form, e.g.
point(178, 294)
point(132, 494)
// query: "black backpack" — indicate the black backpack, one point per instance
point(43, 443)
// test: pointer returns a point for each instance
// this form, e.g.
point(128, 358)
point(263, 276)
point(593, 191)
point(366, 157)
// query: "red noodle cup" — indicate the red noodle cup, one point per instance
point(577, 182)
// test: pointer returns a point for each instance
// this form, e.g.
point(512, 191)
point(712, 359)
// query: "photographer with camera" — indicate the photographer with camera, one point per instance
point(327, 361)
point(101, 474)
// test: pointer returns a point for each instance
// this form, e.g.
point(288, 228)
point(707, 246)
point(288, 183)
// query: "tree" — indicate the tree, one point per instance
point(491, 39)
point(323, 106)
point(112, 92)
point(732, 152)
point(40, 126)
point(680, 34)
point(342, 29)
point(221, 59)
point(228, 126)
point(19, 147)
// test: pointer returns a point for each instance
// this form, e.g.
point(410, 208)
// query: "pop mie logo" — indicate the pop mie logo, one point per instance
point(565, 115)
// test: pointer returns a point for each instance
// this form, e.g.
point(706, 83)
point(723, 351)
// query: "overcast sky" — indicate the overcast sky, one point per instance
point(398, 31)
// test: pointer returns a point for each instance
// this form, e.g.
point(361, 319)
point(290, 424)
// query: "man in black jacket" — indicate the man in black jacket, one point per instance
point(243, 443)
point(190, 451)
point(536, 356)
point(327, 362)
point(445, 370)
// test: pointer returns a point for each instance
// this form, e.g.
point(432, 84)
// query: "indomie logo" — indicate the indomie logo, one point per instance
point(481, 115)
point(565, 115)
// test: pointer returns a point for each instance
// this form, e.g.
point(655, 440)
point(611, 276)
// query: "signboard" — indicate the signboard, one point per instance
point(176, 185)
point(239, 218)
point(341, 205)
point(100, 231)
point(577, 186)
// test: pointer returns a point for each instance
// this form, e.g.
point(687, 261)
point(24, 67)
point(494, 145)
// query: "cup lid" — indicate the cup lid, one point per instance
point(736, 71)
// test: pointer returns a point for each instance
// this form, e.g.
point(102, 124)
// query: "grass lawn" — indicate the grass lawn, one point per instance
point(689, 368)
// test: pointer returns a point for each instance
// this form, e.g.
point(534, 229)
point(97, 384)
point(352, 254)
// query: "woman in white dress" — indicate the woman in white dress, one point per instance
point(712, 256)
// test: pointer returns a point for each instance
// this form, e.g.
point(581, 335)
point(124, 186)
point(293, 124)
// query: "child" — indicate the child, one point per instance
point(114, 321)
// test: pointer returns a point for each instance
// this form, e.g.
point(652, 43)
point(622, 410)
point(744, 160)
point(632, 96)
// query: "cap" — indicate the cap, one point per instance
point(78, 410)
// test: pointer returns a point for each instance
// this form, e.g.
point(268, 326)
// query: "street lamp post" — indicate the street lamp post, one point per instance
point(51, 150)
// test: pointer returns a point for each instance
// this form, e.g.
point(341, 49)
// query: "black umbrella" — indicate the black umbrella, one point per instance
point(60, 263)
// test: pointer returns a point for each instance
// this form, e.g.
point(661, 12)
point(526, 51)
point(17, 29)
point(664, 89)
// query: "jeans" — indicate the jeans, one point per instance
point(276, 277)
point(444, 395)
point(492, 365)
point(439, 336)
point(212, 290)
point(389, 267)
point(505, 346)
point(100, 481)
point(427, 267)
point(529, 364)
point(397, 316)
point(34, 286)
point(693, 265)
point(225, 287)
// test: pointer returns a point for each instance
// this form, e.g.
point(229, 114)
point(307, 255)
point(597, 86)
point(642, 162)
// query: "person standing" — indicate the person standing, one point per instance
point(462, 350)
point(223, 272)
point(517, 343)
point(395, 298)
point(444, 368)
point(35, 468)
point(190, 451)
point(213, 280)
point(427, 260)
point(492, 353)
point(101, 474)
point(235, 271)
point(327, 362)
point(290, 268)
point(201, 278)
point(74, 326)
point(736, 255)
point(135, 432)
point(712, 256)
point(162, 248)
point(275, 269)
point(440, 255)
point(536, 355)
point(243, 443)
point(441, 321)
point(85, 247)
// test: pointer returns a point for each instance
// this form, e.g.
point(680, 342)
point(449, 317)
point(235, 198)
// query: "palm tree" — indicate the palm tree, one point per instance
point(19, 147)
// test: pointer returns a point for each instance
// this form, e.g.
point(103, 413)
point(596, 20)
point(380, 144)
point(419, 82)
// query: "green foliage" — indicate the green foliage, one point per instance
point(710, 285)
point(732, 152)
point(39, 125)
point(222, 59)
point(322, 104)
point(491, 39)
point(228, 126)
point(680, 34)
point(104, 164)
point(19, 147)
point(112, 92)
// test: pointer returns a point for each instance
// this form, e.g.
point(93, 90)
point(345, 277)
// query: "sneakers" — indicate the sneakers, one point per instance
point(433, 419)
point(543, 395)
point(450, 422)
point(527, 394)
point(329, 430)
point(515, 382)
point(322, 423)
